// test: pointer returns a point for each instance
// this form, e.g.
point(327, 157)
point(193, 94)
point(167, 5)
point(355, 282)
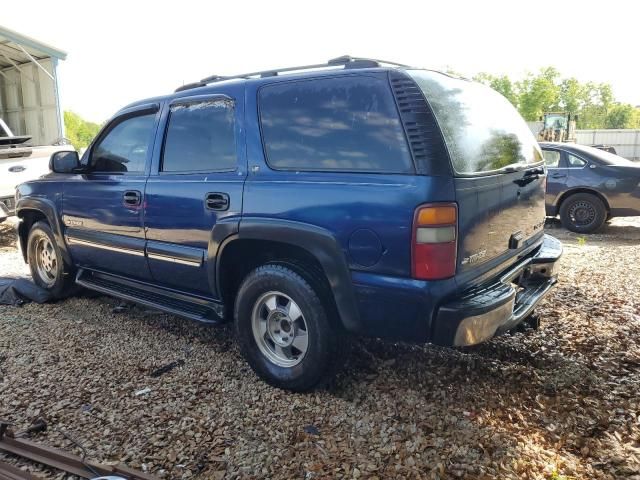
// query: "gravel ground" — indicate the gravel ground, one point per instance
point(560, 402)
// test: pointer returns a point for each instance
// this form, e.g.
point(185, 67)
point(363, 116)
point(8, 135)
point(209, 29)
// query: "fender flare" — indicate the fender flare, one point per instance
point(49, 210)
point(319, 242)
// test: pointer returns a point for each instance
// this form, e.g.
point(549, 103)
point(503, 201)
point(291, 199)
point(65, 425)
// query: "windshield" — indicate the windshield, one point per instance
point(605, 157)
point(482, 130)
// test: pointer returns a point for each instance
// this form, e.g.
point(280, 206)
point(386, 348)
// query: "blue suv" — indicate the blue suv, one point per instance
point(306, 204)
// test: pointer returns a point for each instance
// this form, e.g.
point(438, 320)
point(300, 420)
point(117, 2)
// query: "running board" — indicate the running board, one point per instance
point(170, 301)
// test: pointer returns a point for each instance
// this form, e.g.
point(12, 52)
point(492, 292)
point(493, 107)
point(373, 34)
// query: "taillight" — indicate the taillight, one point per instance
point(434, 249)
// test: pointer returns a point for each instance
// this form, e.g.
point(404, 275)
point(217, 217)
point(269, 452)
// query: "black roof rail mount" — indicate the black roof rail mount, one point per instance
point(346, 61)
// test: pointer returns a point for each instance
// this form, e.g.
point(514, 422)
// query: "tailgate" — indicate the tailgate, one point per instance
point(499, 172)
point(15, 171)
point(499, 215)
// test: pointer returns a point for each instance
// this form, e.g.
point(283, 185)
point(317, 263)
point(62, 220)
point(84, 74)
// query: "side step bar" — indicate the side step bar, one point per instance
point(170, 301)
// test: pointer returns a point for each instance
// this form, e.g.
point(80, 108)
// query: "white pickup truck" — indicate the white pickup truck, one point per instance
point(20, 162)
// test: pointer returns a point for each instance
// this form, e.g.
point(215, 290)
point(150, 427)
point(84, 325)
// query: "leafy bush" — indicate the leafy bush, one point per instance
point(79, 131)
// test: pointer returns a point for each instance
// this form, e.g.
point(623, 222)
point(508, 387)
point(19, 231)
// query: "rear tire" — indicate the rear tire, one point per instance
point(582, 213)
point(284, 331)
point(48, 268)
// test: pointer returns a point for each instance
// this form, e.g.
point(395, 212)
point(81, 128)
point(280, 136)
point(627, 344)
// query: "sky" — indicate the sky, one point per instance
point(122, 51)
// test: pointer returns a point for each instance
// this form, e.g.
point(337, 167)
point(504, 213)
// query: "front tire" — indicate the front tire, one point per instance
point(284, 331)
point(48, 268)
point(583, 213)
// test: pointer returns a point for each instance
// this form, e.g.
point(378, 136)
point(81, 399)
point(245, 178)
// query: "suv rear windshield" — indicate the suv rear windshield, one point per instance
point(482, 130)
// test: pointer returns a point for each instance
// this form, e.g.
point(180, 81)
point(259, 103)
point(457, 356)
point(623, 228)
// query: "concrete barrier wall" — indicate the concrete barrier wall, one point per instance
point(626, 142)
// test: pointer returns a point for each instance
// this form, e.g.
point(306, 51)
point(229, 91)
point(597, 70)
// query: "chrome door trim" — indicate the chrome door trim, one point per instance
point(168, 258)
point(111, 248)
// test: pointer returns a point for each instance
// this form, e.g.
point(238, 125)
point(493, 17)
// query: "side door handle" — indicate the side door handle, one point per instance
point(132, 198)
point(216, 201)
point(558, 175)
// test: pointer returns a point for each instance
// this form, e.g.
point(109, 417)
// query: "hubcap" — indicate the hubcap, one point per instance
point(279, 329)
point(46, 261)
point(582, 214)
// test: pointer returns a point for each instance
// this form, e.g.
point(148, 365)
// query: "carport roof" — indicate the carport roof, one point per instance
point(18, 49)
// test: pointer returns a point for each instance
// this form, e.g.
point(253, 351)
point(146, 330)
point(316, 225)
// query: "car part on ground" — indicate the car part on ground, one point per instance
point(9, 472)
point(60, 459)
point(17, 291)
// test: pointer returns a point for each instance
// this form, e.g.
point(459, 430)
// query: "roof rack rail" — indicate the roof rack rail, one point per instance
point(346, 61)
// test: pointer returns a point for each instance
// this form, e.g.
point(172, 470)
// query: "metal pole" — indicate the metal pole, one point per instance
point(36, 62)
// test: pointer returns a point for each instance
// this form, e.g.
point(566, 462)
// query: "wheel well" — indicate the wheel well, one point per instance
point(29, 217)
point(240, 257)
point(584, 190)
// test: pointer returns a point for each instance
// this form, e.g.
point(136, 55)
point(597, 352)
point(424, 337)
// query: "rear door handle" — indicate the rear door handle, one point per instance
point(216, 201)
point(558, 175)
point(132, 198)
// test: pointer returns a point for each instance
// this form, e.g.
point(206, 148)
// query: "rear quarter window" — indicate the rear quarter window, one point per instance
point(347, 123)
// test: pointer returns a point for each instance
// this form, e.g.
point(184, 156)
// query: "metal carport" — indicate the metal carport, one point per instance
point(29, 94)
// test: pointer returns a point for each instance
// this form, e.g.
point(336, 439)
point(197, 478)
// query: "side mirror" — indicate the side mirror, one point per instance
point(64, 162)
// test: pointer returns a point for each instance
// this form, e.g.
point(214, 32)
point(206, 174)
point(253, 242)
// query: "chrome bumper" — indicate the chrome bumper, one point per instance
point(480, 314)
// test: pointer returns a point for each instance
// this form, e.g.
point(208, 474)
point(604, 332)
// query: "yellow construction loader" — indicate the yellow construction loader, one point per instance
point(558, 127)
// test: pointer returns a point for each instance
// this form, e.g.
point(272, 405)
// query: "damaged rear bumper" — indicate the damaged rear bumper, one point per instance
point(482, 313)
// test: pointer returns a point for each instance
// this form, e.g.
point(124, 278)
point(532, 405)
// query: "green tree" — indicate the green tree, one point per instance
point(622, 115)
point(539, 93)
point(79, 131)
point(501, 84)
point(598, 101)
point(572, 95)
point(592, 104)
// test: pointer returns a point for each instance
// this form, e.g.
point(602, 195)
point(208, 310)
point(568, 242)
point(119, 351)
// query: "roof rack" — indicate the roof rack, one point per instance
point(346, 61)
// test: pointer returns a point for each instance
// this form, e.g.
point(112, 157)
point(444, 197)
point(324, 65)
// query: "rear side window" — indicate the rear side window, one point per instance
point(575, 162)
point(336, 124)
point(200, 137)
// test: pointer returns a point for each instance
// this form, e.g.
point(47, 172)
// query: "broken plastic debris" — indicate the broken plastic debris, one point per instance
point(144, 391)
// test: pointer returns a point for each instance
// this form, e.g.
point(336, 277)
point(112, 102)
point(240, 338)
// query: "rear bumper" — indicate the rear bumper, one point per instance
point(482, 313)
